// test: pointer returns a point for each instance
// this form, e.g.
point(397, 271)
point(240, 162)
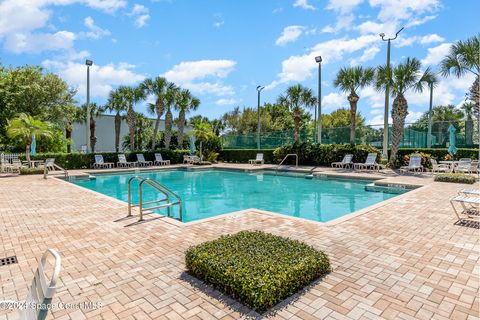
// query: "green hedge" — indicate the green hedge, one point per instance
point(256, 268)
point(28, 171)
point(437, 153)
point(325, 154)
point(243, 155)
point(84, 161)
point(455, 178)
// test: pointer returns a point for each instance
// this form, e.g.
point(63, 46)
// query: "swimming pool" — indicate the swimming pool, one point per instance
point(208, 193)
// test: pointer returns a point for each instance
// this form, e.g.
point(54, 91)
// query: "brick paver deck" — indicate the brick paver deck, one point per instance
point(402, 260)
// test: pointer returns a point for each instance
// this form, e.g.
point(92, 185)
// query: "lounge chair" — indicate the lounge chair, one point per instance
point(467, 192)
point(346, 162)
point(469, 207)
point(414, 164)
point(123, 163)
point(159, 160)
point(439, 168)
point(141, 160)
point(191, 159)
point(257, 160)
point(464, 165)
point(474, 166)
point(100, 164)
point(370, 163)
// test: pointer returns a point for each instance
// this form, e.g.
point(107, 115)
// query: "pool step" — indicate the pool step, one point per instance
point(398, 189)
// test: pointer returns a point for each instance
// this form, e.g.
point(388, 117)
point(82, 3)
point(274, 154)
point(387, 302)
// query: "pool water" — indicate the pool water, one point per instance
point(208, 193)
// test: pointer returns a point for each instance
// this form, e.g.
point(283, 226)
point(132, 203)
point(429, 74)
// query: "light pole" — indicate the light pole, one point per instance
point(319, 102)
point(259, 89)
point(430, 114)
point(387, 93)
point(88, 63)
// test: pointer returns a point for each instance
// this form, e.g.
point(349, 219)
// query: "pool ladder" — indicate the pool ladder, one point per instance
point(288, 155)
point(160, 188)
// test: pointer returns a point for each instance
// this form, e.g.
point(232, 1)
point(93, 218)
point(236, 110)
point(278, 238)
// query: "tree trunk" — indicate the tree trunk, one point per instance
point(399, 113)
point(27, 153)
point(181, 127)
point(159, 110)
point(118, 123)
point(353, 99)
point(93, 138)
point(131, 119)
point(469, 132)
point(296, 121)
point(168, 128)
point(68, 136)
point(201, 154)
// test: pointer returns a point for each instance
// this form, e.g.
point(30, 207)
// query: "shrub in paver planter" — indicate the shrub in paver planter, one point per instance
point(455, 178)
point(256, 268)
point(26, 171)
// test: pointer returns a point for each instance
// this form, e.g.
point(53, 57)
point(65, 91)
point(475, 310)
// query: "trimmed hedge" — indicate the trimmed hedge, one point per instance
point(256, 268)
point(437, 153)
point(27, 171)
point(325, 154)
point(84, 161)
point(243, 155)
point(455, 178)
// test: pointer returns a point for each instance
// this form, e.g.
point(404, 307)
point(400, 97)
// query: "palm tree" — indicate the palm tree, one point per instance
point(405, 76)
point(202, 132)
point(160, 88)
point(295, 99)
point(117, 104)
point(71, 114)
point(349, 80)
point(171, 100)
point(131, 95)
point(24, 127)
point(442, 117)
point(185, 103)
point(95, 111)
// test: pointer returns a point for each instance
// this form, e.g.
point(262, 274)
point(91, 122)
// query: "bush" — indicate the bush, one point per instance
point(455, 178)
point(243, 155)
point(27, 171)
point(437, 153)
point(325, 154)
point(256, 268)
point(84, 161)
point(426, 163)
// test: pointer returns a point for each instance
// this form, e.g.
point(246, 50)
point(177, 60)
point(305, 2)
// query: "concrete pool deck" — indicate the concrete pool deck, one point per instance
point(403, 259)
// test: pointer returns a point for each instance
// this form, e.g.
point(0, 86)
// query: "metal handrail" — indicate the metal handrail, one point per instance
point(288, 155)
point(160, 188)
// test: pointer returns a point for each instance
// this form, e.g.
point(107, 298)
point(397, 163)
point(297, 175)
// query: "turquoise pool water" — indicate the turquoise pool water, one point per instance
point(207, 193)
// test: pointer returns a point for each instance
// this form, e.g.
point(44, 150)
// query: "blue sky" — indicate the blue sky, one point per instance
point(221, 50)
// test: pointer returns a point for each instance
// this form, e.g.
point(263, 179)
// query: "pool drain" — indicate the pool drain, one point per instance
point(8, 260)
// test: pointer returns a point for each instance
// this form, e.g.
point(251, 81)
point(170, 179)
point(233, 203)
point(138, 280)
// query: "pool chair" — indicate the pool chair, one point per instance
point(123, 163)
point(345, 163)
point(159, 160)
point(141, 160)
point(439, 168)
point(469, 207)
point(191, 159)
point(468, 192)
point(464, 165)
point(42, 290)
point(474, 167)
point(100, 164)
point(257, 160)
point(414, 164)
point(369, 164)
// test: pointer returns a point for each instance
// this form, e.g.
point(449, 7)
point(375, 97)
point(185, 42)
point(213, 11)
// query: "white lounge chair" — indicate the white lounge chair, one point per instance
point(346, 162)
point(41, 290)
point(469, 207)
point(257, 160)
point(370, 163)
point(123, 163)
point(141, 160)
point(414, 164)
point(464, 165)
point(159, 160)
point(100, 164)
point(439, 168)
point(191, 159)
point(467, 192)
point(474, 166)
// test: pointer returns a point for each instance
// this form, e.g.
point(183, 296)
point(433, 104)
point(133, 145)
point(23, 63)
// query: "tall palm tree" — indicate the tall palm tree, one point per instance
point(131, 95)
point(24, 127)
point(349, 80)
point(171, 100)
point(403, 77)
point(296, 98)
point(117, 104)
point(158, 87)
point(95, 111)
point(185, 103)
point(202, 132)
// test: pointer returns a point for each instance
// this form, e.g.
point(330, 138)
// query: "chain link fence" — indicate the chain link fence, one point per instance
point(414, 136)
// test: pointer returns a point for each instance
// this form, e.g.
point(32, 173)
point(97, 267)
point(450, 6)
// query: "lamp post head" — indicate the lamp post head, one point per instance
point(260, 88)
point(318, 59)
point(88, 62)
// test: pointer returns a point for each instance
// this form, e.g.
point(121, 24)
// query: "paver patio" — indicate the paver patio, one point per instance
point(404, 259)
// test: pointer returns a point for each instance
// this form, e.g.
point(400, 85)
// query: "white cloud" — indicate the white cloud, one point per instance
point(431, 38)
point(277, 10)
point(103, 78)
point(38, 42)
point(226, 102)
point(344, 22)
point(189, 74)
point(95, 32)
point(333, 101)
point(343, 6)
point(304, 5)
point(368, 54)
point(141, 14)
point(218, 20)
point(416, 22)
point(289, 34)
point(394, 10)
point(413, 116)
point(368, 27)
point(436, 54)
